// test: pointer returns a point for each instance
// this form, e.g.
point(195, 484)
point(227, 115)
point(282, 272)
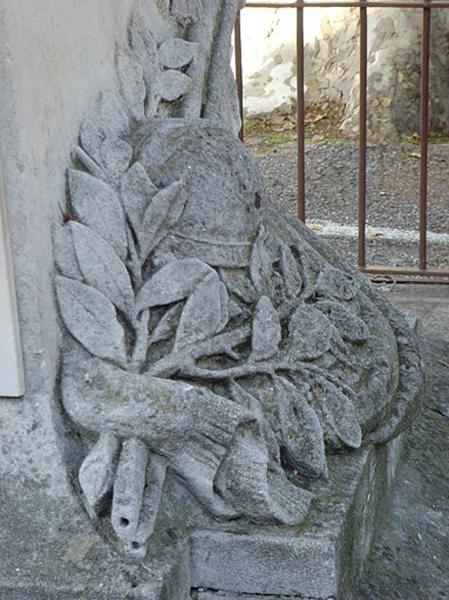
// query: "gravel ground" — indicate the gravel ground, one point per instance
point(392, 198)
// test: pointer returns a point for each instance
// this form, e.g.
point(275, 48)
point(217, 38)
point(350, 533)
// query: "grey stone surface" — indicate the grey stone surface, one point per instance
point(215, 355)
point(324, 560)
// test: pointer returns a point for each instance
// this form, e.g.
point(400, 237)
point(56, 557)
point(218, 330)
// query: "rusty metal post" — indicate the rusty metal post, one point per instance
point(424, 135)
point(362, 135)
point(239, 70)
point(300, 114)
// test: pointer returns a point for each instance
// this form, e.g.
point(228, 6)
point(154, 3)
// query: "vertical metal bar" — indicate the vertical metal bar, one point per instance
point(362, 135)
point(300, 115)
point(239, 70)
point(424, 135)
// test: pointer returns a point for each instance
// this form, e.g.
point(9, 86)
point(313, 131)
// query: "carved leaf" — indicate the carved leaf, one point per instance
point(239, 283)
point(348, 324)
point(116, 155)
point(339, 414)
point(261, 268)
point(266, 330)
point(247, 400)
point(204, 314)
point(290, 271)
point(96, 474)
point(174, 282)
point(337, 284)
point(111, 121)
point(91, 319)
point(310, 333)
point(302, 435)
point(65, 252)
point(176, 53)
point(132, 86)
point(167, 325)
point(102, 268)
point(173, 84)
point(96, 204)
point(137, 189)
point(164, 211)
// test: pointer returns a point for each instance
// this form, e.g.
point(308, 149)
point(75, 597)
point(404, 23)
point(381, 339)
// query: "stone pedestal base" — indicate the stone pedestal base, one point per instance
point(322, 559)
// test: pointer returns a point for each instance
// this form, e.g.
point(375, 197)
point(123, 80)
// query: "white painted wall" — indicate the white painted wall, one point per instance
point(11, 368)
point(55, 57)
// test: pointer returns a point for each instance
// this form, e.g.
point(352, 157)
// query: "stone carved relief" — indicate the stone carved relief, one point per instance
point(209, 338)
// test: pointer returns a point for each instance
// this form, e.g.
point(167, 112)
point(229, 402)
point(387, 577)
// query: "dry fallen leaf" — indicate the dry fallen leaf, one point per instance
point(415, 154)
point(314, 226)
point(373, 233)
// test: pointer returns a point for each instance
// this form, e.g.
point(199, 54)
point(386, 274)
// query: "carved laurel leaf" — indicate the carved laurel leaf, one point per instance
point(290, 271)
point(337, 284)
point(116, 155)
point(136, 191)
point(164, 211)
point(132, 85)
point(204, 314)
point(65, 252)
point(266, 330)
point(102, 268)
point(251, 402)
point(339, 414)
point(310, 333)
point(96, 474)
point(167, 325)
point(111, 122)
point(302, 435)
point(176, 53)
point(173, 84)
point(95, 204)
point(261, 268)
point(349, 325)
point(91, 319)
point(174, 282)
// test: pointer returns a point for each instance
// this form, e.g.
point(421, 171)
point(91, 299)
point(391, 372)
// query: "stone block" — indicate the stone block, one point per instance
point(322, 559)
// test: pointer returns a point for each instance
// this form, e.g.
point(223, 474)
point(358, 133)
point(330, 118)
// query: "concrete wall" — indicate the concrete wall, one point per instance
point(55, 56)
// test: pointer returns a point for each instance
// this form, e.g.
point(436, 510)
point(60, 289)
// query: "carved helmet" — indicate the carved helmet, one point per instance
point(225, 194)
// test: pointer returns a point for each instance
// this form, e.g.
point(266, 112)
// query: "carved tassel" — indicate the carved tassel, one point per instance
point(129, 487)
point(155, 478)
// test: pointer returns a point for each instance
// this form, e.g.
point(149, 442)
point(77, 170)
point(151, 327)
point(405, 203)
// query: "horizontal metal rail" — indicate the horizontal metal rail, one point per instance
point(426, 6)
point(349, 4)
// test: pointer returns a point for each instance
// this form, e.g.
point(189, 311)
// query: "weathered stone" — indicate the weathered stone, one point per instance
point(215, 353)
point(292, 364)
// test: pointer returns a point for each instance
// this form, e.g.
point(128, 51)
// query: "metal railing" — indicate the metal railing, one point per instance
point(427, 6)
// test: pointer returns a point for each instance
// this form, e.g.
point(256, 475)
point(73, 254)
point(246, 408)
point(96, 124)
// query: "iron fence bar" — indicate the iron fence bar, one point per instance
point(350, 4)
point(426, 5)
point(239, 71)
point(424, 138)
point(300, 125)
point(362, 135)
point(410, 271)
